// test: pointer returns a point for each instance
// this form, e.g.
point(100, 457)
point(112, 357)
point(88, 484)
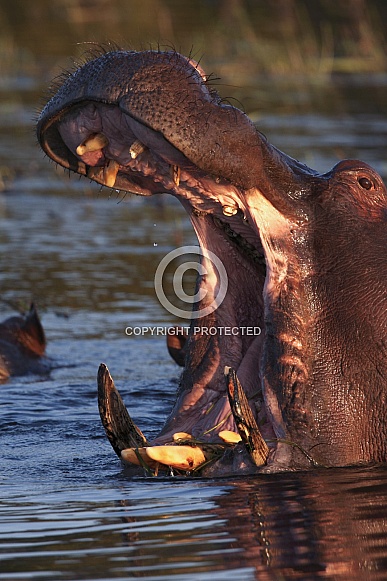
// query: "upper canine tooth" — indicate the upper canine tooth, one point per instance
point(110, 172)
point(136, 148)
point(180, 457)
point(230, 210)
point(175, 173)
point(92, 143)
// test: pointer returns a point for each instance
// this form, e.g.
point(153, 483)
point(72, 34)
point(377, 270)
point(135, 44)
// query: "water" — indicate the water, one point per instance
point(87, 258)
point(320, 525)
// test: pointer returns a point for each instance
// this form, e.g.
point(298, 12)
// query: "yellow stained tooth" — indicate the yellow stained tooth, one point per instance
point(180, 457)
point(93, 143)
point(110, 172)
point(175, 174)
point(129, 455)
point(230, 210)
point(136, 148)
point(230, 437)
point(181, 436)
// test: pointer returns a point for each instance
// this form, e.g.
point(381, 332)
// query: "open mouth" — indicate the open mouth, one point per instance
point(140, 144)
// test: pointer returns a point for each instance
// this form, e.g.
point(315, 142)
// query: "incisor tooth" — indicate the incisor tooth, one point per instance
point(136, 148)
point(175, 173)
point(180, 457)
point(230, 437)
point(93, 143)
point(181, 436)
point(130, 455)
point(110, 172)
point(230, 210)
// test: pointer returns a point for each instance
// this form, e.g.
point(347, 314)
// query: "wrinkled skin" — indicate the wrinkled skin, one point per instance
point(22, 345)
point(305, 256)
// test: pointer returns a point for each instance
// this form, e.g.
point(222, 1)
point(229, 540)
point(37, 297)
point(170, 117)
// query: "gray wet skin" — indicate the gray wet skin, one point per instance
point(305, 255)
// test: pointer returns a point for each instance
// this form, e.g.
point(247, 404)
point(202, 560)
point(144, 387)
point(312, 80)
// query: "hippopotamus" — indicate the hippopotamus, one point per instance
point(305, 257)
point(22, 345)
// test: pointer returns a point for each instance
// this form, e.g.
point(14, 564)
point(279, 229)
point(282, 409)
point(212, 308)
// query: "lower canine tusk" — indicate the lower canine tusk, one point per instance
point(120, 429)
point(244, 419)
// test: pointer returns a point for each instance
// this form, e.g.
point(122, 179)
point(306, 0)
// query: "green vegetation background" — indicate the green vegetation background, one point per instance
point(239, 39)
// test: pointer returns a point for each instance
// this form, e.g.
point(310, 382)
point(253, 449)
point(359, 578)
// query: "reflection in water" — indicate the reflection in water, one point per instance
point(319, 525)
point(315, 524)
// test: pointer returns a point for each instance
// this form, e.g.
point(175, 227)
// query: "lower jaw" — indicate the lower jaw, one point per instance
point(179, 453)
point(190, 459)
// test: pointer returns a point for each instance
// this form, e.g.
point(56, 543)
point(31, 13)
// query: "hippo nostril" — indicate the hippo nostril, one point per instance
point(365, 183)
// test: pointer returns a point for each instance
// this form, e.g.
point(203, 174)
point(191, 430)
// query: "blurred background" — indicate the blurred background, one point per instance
point(241, 40)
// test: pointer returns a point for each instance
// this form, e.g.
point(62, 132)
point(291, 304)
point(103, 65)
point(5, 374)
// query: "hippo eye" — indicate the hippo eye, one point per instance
point(365, 183)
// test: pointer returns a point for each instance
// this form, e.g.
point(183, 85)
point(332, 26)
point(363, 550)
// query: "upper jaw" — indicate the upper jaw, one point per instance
point(168, 93)
point(102, 143)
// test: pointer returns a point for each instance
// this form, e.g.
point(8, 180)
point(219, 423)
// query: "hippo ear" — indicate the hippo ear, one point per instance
point(33, 336)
